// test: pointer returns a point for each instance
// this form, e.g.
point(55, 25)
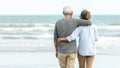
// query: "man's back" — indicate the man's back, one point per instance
point(63, 28)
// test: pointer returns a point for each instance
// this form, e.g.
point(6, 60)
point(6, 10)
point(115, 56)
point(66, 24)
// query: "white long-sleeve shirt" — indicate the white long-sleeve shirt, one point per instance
point(88, 35)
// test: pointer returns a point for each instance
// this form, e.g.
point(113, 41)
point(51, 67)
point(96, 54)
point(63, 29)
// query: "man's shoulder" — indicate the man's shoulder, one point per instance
point(64, 20)
point(60, 20)
point(69, 19)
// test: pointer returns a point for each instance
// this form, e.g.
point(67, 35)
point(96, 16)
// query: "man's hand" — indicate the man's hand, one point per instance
point(56, 54)
point(56, 49)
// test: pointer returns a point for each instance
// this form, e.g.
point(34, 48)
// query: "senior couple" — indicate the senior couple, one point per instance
point(66, 31)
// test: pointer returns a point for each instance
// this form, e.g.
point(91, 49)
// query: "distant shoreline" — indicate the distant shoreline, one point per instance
point(27, 51)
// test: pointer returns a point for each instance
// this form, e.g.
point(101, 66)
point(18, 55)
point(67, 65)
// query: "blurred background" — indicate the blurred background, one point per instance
point(35, 32)
point(28, 25)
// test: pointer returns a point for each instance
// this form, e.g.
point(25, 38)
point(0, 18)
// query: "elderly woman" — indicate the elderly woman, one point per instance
point(87, 37)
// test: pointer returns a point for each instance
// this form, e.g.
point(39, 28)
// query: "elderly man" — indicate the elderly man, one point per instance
point(66, 51)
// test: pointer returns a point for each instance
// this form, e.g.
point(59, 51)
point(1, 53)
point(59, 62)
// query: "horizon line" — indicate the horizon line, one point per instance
point(48, 14)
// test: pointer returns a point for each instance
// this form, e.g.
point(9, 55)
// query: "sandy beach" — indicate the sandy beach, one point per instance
point(48, 60)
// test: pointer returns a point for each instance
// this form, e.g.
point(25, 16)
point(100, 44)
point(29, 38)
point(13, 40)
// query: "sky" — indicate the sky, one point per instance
point(45, 7)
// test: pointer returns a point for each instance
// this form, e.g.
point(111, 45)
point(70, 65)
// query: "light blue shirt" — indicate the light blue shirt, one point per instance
point(88, 35)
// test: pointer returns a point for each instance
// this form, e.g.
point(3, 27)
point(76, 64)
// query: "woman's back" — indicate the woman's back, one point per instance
point(87, 37)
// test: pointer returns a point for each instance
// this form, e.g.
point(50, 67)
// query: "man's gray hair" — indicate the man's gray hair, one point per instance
point(67, 10)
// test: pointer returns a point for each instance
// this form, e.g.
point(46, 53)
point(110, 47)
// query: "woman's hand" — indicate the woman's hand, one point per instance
point(62, 40)
point(59, 40)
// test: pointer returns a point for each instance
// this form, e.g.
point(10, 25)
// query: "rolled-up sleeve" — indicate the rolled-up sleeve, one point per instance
point(74, 35)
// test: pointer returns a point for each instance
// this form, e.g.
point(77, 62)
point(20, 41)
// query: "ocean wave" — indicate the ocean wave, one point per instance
point(25, 24)
point(46, 26)
point(42, 36)
point(108, 43)
point(109, 27)
point(26, 27)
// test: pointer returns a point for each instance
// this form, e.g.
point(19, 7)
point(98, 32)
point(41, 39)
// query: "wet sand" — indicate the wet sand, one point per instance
point(48, 60)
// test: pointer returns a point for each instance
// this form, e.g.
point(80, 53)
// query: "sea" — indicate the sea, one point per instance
point(35, 32)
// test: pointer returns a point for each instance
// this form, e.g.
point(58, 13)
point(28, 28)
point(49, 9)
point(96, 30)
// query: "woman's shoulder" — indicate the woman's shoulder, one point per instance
point(93, 25)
